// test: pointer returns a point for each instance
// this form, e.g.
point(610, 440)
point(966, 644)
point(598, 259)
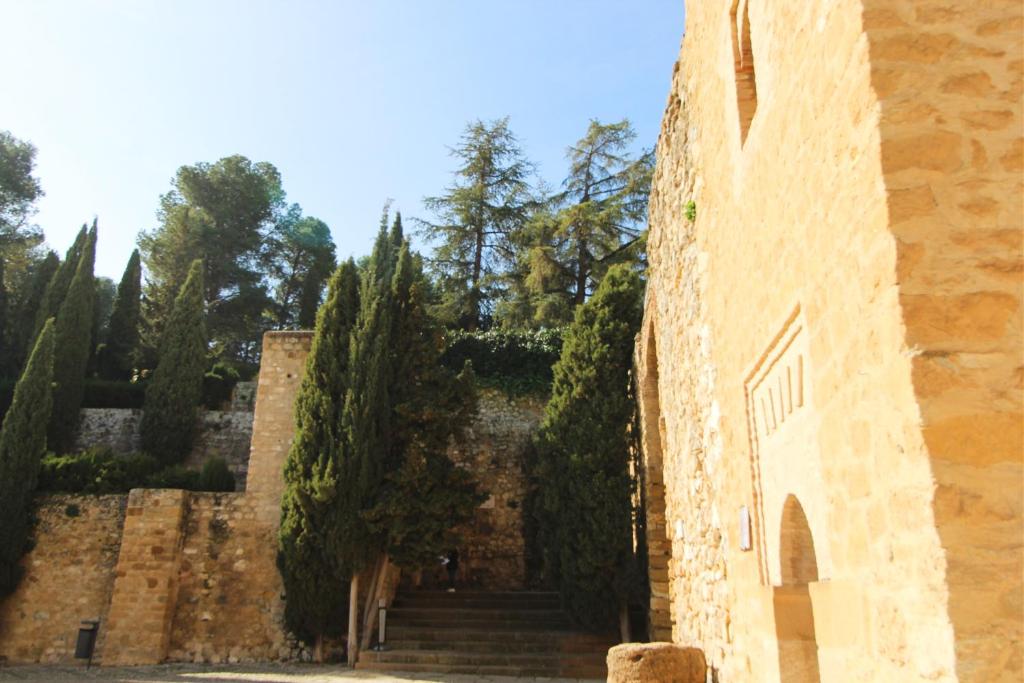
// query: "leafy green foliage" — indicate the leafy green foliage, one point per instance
point(420, 505)
point(116, 358)
point(584, 448)
point(596, 222)
point(478, 218)
point(26, 305)
point(368, 472)
point(173, 395)
point(516, 361)
point(223, 214)
point(19, 191)
point(22, 444)
point(218, 384)
point(73, 345)
point(96, 471)
point(57, 288)
point(101, 471)
point(216, 476)
point(303, 259)
point(307, 556)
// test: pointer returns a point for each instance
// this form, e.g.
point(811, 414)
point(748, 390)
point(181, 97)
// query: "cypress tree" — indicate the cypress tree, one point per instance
point(116, 356)
point(584, 448)
point(22, 445)
point(173, 395)
point(314, 587)
point(366, 413)
point(60, 282)
point(423, 495)
point(28, 306)
point(73, 334)
point(5, 347)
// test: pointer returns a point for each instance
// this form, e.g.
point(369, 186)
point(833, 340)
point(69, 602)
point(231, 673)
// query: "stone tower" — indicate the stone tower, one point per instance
point(831, 363)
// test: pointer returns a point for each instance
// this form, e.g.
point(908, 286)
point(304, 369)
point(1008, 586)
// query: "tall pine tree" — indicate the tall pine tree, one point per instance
point(314, 588)
point(73, 345)
point(172, 399)
point(584, 448)
point(117, 355)
point(478, 219)
point(22, 445)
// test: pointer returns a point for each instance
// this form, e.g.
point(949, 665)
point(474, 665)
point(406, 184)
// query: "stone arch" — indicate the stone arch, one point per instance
point(794, 613)
point(659, 542)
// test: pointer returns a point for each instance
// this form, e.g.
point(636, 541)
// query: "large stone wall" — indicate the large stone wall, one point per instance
point(69, 577)
point(179, 576)
point(228, 606)
point(836, 333)
point(493, 548)
point(226, 434)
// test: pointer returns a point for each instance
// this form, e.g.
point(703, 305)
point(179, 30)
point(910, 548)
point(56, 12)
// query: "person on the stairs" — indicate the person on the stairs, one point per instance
point(452, 565)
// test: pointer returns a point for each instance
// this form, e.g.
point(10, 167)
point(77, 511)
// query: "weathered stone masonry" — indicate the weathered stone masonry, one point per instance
point(833, 347)
point(179, 576)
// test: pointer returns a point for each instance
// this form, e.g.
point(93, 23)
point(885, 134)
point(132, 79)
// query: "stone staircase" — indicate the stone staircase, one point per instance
point(522, 633)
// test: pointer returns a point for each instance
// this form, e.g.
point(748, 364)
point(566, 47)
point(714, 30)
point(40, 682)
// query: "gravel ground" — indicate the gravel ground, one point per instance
point(189, 673)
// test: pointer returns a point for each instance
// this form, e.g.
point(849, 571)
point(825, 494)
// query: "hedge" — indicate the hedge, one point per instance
point(102, 393)
point(515, 361)
point(101, 471)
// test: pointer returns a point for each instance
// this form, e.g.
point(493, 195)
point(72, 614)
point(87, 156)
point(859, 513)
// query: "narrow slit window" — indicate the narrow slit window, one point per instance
point(743, 58)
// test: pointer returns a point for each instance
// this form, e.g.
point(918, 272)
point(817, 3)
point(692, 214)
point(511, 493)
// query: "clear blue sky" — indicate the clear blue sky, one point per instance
point(354, 102)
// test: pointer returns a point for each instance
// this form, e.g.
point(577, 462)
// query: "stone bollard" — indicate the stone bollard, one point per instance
point(655, 663)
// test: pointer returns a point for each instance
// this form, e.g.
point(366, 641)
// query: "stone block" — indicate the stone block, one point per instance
point(655, 663)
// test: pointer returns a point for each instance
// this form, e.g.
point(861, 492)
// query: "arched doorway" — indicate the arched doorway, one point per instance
point(794, 616)
point(659, 544)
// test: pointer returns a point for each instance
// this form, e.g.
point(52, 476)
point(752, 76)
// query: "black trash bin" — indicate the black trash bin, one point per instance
point(86, 641)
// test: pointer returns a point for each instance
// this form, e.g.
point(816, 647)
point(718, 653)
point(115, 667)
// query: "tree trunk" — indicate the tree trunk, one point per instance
point(582, 272)
point(474, 287)
point(353, 621)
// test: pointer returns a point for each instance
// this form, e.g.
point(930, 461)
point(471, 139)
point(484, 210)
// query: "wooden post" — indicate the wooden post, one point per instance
point(624, 630)
point(372, 600)
point(370, 590)
point(353, 620)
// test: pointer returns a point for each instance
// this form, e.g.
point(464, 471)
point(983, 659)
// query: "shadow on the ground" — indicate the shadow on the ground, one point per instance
point(240, 673)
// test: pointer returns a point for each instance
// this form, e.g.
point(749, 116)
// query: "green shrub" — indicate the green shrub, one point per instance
point(218, 384)
point(100, 471)
point(515, 361)
point(215, 476)
point(174, 477)
point(101, 393)
point(96, 471)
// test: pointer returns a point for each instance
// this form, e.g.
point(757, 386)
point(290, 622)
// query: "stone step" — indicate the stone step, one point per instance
point(475, 602)
point(569, 639)
point(546, 645)
point(516, 596)
point(491, 624)
point(581, 673)
point(476, 613)
point(475, 662)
